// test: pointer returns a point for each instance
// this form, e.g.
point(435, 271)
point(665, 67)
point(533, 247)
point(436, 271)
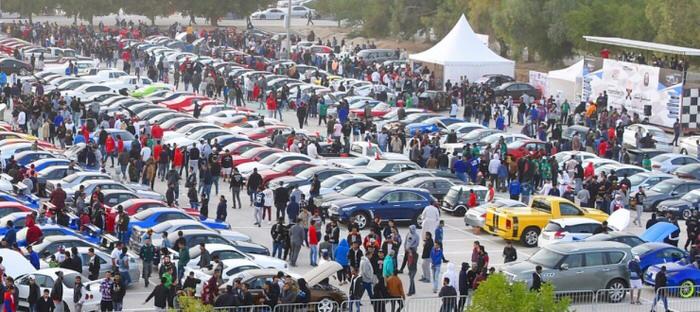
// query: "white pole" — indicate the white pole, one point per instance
point(288, 25)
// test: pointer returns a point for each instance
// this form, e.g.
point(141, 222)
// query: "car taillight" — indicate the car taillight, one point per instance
point(655, 166)
point(559, 234)
point(483, 215)
point(509, 224)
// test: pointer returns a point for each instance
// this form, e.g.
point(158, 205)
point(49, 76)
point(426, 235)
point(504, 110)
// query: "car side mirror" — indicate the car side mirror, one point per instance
point(383, 202)
point(674, 193)
point(564, 267)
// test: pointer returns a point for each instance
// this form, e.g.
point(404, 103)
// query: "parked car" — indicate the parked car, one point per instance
point(475, 215)
point(355, 190)
point(45, 279)
point(690, 171)
point(14, 66)
point(272, 13)
point(647, 179)
point(689, 145)
point(494, 80)
point(683, 207)
point(438, 187)
point(380, 169)
point(663, 140)
point(683, 278)
point(152, 216)
point(669, 189)
point(658, 253)
point(408, 175)
point(516, 90)
point(195, 237)
point(574, 229)
point(386, 202)
point(231, 267)
point(620, 237)
point(336, 183)
point(669, 162)
point(456, 200)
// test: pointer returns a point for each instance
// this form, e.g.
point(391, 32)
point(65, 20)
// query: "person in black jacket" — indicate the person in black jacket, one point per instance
point(281, 197)
point(536, 279)
point(57, 290)
point(160, 293)
point(76, 261)
point(660, 282)
point(269, 296)
point(93, 265)
point(45, 304)
point(464, 284)
point(33, 297)
point(355, 255)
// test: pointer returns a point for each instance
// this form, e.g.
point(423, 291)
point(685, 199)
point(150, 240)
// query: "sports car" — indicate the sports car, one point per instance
point(152, 216)
point(658, 253)
point(679, 274)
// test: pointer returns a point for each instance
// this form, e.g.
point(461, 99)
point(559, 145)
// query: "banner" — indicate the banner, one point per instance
point(651, 92)
point(538, 80)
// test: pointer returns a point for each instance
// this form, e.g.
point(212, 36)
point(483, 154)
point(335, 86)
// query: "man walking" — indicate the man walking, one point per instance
point(660, 282)
point(296, 238)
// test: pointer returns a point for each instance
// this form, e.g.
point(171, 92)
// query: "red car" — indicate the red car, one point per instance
point(240, 147)
point(133, 206)
point(255, 154)
point(521, 148)
point(7, 208)
point(202, 104)
point(289, 168)
point(181, 102)
point(379, 110)
point(264, 132)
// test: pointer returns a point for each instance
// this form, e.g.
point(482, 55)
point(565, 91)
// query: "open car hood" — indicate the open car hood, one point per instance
point(658, 232)
point(619, 220)
point(15, 263)
point(321, 272)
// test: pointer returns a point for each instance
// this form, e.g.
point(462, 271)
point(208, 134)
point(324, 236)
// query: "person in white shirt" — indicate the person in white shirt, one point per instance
point(454, 109)
point(145, 153)
point(312, 151)
point(338, 129)
point(22, 121)
point(431, 218)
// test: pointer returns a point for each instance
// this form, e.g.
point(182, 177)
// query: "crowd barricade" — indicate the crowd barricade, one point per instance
point(321, 306)
point(249, 308)
point(580, 300)
point(444, 304)
point(680, 298)
point(373, 305)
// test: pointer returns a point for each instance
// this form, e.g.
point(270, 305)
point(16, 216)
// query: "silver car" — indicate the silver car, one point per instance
point(475, 216)
point(582, 265)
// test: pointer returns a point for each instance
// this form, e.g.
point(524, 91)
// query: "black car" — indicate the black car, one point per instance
point(494, 80)
point(305, 177)
point(689, 171)
point(620, 237)
point(682, 207)
point(516, 90)
point(438, 187)
point(14, 66)
point(669, 189)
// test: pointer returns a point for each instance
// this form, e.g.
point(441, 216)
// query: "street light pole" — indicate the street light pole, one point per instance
point(288, 24)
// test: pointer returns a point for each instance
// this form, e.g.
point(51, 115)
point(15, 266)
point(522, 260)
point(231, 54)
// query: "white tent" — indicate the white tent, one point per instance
point(462, 53)
point(566, 82)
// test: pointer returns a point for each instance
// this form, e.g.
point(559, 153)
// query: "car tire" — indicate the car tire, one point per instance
point(616, 291)
point(326, 305)
point(461, 211)
point(686, 213)
point(530, 236)
point(687, 289)
point(362, 219)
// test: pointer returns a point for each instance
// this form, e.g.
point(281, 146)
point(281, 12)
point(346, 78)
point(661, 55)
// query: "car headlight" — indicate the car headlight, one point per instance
point(334, 209)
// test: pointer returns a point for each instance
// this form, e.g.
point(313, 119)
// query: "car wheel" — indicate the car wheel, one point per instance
point(616, 291)
point(325, 305)
point(687, 289)
point(687, 213)
point(684, 151)
point(361, 219)
point(530, 236)
point(461, 211)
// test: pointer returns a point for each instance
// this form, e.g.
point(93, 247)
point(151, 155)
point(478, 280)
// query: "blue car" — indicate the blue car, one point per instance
point(91, 234)
point(685, 276)
point(19, 220)
point(30, 201)
point(387, 202)
point(431, 125)
point(42, 164)
point(150, 217)
point(26, 157)
point(658, 253)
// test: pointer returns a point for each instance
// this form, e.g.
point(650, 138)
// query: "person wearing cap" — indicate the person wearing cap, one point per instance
point(635, 279)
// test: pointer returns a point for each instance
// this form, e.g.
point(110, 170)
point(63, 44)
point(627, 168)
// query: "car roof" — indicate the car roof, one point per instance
point(578, 246)
point(657, 245)
point(392, 188)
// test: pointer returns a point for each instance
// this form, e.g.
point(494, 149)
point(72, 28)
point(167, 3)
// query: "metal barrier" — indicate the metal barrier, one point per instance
point(580, 300)
point(325, 305)
point(367, 305)
point(249, 308)
point(680, 298)
point(444, 304)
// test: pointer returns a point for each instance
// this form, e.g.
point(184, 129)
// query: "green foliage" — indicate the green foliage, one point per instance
point(188, 303)
point(497, 295)
point(27, 8)
point(87, 9)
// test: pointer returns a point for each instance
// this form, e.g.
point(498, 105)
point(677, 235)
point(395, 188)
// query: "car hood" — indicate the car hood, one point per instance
point(519, 269)
point(654, 194)
point(321, 272)
point(672, 267)
point(679, 203)
point(269, 262)
point(658, 232)
point(619, 220)
point(247, 168)
point(349, 201)
point(19, 264)
point(394, 156)
point(234, 235)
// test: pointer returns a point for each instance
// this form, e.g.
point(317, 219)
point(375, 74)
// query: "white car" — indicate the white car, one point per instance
point(204, 134)
point(45, 279)
point(669, 162)
point(580, 156)
point(226, 252)
point(689, 145)
point(270, 161)
point(75, 179)
point(270, 14)
point(86, 92)
point(577, 228)
point(138, 189)
point(130, 83)
point(171, 226)
point(663, 140)
point(336, 183)
point(231, 268)
point(303, 11)
point(475, 216)
point(620, 170)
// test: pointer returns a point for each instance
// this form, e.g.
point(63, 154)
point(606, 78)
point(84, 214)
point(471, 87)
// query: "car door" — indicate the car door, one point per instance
point(429, 186)
point(412, 204)
point(596, 271)
point(565, 279)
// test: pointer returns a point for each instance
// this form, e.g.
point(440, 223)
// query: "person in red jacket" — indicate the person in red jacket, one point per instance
point(34, 233)
point(120, 144)
point(110, 148)
point(313, 244)
point(156, 151)
point(603, 148)
point(157, 132)
point(472, 199)
point(271, 104)
point(178, 159)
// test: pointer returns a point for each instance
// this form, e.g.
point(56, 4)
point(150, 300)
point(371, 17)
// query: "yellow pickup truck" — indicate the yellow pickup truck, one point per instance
point(524, 224)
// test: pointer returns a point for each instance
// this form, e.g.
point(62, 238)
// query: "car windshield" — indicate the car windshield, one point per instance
point(330, 182)
point(638, 179)
point(692, 197)
point(252, 152)
point(70, 178)
point(664, 187)
point(356, 189)
point(475, 134)
point(546, 258)
point(270, 159)
point(373, 195)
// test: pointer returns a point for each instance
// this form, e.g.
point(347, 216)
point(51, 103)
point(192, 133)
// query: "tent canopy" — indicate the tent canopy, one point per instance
point(566, 82)
point(462, 53)
point(569, 74)
point(643, 45)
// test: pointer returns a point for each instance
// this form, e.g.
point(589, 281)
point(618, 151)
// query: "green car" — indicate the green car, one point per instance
point(149, 89)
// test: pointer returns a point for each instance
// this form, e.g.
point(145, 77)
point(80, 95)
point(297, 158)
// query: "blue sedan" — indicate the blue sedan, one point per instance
point(26, 157)
point(658, 253)
point(431, 125)
point(30, 201)
point(386, 202)
point(42, 164)
point(680, 274)
point(19, 220)
point(150, 217)
point(92, 234)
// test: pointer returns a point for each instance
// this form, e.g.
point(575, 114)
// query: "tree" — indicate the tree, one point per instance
point(27, 8)
point(445, 14)
point(148, 8)
point(87, 9)
point(675, 22)
point(214, 10)
point(497, 294)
